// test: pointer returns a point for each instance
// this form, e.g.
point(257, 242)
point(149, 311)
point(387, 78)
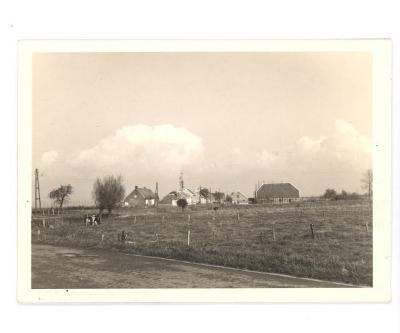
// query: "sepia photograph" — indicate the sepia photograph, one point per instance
point(178, 169)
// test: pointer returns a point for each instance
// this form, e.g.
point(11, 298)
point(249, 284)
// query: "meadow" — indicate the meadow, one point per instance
point(269, 238)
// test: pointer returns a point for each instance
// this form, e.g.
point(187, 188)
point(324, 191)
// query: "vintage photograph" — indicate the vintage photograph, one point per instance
point(163, 170)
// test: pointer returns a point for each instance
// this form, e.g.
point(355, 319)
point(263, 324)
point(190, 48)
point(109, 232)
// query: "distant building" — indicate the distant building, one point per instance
point(189, 195)
point(238, 198)
point(170, 199)
point(277, 193)
point(140, 197)
point(200, 198)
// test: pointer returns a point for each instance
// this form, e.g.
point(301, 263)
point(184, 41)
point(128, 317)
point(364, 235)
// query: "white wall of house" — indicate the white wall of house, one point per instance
point(149, 202)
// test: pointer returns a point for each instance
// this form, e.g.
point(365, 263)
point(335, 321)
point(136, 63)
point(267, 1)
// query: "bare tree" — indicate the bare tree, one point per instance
point(61, 194)
point(367, 182)
point(108, 192)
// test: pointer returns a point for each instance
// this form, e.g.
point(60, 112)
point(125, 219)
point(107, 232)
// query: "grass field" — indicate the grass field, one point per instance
point(341, 249)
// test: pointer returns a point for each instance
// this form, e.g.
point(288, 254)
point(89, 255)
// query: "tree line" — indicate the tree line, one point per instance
point(109, 192)
point(366, 184)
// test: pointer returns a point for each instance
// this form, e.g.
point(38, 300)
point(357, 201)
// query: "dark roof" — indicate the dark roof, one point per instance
point(280, 190)
point(169, 197)
point(143, 192)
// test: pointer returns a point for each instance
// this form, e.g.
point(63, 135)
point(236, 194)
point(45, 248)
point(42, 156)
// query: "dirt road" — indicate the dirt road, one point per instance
point(66, 268)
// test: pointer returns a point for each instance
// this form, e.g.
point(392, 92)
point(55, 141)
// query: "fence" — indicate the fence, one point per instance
point(240, 228)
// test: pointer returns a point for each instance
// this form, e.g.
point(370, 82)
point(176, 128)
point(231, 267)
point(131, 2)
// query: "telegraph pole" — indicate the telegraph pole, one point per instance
point(37, 190)
point(156, 194)
point(181, 184)
point(200, 194)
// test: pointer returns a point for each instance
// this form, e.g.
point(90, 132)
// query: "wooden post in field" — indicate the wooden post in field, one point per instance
point(312, 230)
point(188, 238)
point(44, 223)
point(238, 217)
point(52, 210)
point(366, 226)
point(188, 218)
point(134, 221)
point(102, 238)
point(273, 231)
point(38, 234)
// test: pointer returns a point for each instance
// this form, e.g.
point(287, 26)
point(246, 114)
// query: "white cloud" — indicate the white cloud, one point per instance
point(337, 160)
point(138, 147)
point(267, 158)
point(48, 158)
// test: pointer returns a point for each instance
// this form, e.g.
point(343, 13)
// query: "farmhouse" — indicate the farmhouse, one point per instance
point(184, 193)
point(200, 198)
point(277, 193)
point(238, 198)
point(140, 197)
point(170, 199)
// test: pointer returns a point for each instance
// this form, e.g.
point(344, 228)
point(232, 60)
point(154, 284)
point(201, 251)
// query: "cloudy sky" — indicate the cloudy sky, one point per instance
point(227, 120)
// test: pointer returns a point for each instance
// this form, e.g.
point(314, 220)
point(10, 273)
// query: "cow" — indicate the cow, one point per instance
point(92, 219)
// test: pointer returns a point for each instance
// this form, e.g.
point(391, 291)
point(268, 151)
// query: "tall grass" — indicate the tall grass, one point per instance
point(341, 250)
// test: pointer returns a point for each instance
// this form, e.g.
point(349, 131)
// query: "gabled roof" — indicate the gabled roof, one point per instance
point(187, 191)
point(235, 194)
point(278, 190)
point(168, 198)
point(145, 193)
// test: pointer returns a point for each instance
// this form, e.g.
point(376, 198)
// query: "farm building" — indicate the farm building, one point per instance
point(238, 198)
point(277, 193)
point(140, 197)
point(189, 195)
point(200, 198)
point(170, 199)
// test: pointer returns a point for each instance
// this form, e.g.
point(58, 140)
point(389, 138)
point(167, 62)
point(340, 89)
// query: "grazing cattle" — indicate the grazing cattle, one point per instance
point(92, 220)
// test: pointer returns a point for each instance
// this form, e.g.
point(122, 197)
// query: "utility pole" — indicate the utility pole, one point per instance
point(156, 194)
point(181, 184)
point(37, 190)
point(200, 194)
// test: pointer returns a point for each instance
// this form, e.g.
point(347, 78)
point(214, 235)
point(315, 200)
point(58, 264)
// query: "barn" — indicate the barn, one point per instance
point(140, 197)
point(277, 193)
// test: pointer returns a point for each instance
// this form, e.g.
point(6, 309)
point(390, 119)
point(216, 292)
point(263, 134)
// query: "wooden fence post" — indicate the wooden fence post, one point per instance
point(238, 217)
point(188, 238)
point(102, 238)
point(134, 221)
point(273, 231)
point(44, 223)
point(312, 230)
point(366, 226)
